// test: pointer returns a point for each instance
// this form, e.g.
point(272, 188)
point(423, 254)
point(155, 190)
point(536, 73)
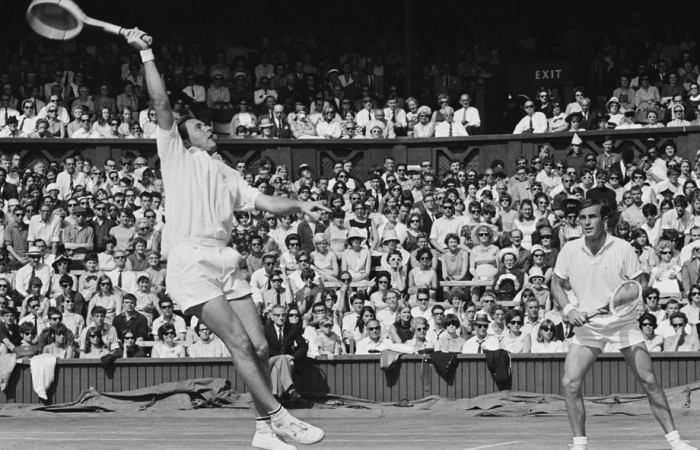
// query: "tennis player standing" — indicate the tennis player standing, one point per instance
point(594, 266)
point(203, 276)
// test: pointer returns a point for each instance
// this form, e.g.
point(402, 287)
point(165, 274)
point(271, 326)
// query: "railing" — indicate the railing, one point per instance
point(476, 152)
point(359, 376)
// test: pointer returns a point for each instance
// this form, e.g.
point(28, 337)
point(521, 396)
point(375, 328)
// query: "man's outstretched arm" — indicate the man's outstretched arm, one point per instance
point(154, 83)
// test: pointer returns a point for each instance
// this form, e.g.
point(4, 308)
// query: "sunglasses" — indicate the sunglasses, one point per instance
point(169, 333)
point(421, 329)
point(548, 329)
point(677, 325)
point(481, 326)
point(516, 322)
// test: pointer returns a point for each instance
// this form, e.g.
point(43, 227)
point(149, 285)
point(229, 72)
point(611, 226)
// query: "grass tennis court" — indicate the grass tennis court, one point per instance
point(392, 428)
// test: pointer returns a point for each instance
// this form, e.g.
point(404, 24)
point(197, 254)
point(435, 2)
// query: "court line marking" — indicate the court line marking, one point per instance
point(493, 445)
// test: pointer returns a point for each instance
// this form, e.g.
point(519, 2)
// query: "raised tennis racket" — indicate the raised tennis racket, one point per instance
point(623, 301)
point(63, 20)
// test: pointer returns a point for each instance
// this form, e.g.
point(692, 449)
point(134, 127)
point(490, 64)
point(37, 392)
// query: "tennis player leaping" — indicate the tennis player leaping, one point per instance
point(595, 266)
point(203, 277)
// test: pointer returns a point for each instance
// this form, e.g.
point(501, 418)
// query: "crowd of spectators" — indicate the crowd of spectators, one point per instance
point(306, 88)
point(407, 259)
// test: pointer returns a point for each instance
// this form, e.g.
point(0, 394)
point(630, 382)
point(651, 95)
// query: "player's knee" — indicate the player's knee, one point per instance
point(570, 384)
point(262, 350)
point(648, 381)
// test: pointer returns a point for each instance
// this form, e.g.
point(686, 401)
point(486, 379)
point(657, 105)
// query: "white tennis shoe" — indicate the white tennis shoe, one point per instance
point(290, 427)
point(578, 446)
point(681, 445)
point(266, 439)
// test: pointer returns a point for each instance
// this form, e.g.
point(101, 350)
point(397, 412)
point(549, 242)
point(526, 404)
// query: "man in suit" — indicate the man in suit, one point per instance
point(445, 83)
point(564, 330)
point(431, 213)
point(290, 91)
point(287, 348)
point(375, 83)
point(589, 120)
point(7, 190)
point(691, 270)
point(280, 127)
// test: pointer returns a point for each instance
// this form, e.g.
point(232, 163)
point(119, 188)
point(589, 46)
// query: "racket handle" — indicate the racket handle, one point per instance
point(114, 29)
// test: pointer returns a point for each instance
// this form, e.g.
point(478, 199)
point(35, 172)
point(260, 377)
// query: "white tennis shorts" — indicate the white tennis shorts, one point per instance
point(200, 270)
point(618, 332)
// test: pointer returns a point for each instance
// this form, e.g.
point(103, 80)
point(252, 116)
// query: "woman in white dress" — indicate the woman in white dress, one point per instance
point(167, 347)
point(514, 340)
point(547, 341)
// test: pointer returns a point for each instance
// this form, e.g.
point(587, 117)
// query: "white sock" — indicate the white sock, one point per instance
point(278, 414)
point(580, 440)
point(673, 436)
point(262, 423)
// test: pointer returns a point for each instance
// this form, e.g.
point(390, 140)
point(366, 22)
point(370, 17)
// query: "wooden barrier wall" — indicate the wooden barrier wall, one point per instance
point(359, 376)
point(476, 152)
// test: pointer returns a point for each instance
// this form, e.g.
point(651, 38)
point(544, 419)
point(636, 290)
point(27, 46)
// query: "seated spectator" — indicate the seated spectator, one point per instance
point(419, 342)
point(107, 297)
point(166, 346)
point(451, 340)
point(60, 347)
point(10, 333)
point(547, 340)
point(329, 343)
point(28, 346)
point(423, 276)
point(130, 319)
point(648, 324)
point(449, 127)
point(94, 346)
point(514, 340)
point(424, 128)
point(481, 341)
point(287, 348)
point(130, 348)
point(681, 341)
point(168, 317)
point(208, 345)
point(356, 259)
point(374, 342)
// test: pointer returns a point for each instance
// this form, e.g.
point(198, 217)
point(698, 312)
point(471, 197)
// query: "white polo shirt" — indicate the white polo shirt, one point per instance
point(594, 278)
point(206, 191)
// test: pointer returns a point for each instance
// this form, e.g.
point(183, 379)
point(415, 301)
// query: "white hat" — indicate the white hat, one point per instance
point(390, 235)
point(52, 187)
point(505, 251)
point(535, 272)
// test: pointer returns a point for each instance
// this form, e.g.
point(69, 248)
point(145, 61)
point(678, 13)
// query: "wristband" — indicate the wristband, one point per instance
point(568, 308)
point(147, 55)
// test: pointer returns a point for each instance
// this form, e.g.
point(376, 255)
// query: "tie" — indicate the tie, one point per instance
point(279, 300)
point(269, 282)
point(70, 187)
point(450, 129)
point(192, 88)
point(119, 280)
point(33, 275)
point(481, 348)
point(280, 336)
point(531, 127)
point(393, 116)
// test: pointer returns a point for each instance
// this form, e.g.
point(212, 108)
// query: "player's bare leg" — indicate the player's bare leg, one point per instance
point(639, 360)
point(578, 361)
point(237, 323)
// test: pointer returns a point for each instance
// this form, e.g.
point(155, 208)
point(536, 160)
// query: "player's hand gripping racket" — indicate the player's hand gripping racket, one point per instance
point(622, 302)
point(63, 20)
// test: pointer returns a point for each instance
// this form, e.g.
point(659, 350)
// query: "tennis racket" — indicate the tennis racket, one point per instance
point(63, 20)
point(622, 302)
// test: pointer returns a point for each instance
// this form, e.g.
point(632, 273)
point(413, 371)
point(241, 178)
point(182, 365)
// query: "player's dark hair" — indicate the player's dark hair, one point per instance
point(605, 209)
